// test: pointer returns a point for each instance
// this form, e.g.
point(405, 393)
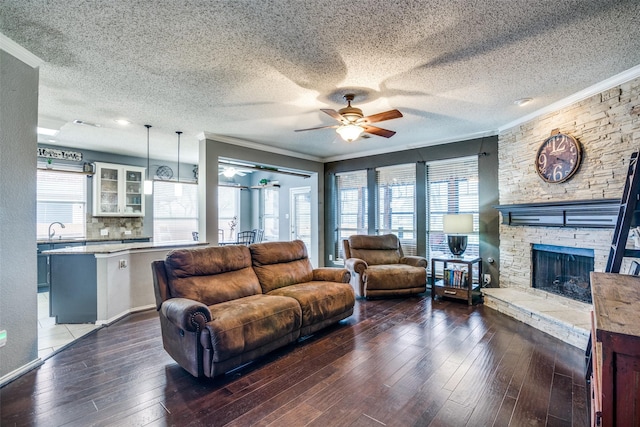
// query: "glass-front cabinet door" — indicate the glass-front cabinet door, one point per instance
point(118, 190)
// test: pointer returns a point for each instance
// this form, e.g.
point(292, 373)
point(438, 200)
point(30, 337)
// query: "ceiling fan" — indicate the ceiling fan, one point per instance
point(230, 171)
point(353, 123)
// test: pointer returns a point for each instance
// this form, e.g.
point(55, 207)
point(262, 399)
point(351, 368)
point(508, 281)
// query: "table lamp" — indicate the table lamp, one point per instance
point(456, 227)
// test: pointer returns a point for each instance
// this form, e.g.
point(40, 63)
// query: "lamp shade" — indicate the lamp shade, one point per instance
point(458, 223)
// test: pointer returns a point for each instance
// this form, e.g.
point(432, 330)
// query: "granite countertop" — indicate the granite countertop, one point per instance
point(121, 247)
point(94, 239)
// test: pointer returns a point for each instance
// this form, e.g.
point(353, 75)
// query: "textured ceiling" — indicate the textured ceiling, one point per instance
point(256, 70)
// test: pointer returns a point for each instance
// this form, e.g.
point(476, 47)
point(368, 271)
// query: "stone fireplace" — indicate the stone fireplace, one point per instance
point(562, 271)
point(605, 123)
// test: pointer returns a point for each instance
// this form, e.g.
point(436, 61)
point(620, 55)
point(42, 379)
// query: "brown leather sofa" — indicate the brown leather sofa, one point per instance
point(379, 268)
point(221, 307)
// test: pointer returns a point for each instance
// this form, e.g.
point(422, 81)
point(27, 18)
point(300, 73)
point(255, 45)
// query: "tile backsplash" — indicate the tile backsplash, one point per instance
point(116, 226)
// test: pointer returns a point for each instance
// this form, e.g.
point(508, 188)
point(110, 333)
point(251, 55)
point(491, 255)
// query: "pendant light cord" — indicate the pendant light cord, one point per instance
point(179, 133)
point(148, 127)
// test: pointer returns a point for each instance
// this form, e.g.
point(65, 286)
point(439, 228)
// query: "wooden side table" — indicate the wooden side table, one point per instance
point(457, 278)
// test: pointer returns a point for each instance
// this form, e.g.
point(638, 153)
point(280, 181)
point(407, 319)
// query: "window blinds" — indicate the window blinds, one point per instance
point(175, 215)
point(452, 187)
point(61, 196)
point(396, 204)
point(351, 215)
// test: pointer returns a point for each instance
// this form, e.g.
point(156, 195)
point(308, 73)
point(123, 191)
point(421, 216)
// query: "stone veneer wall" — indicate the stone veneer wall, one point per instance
point(609, 131)
point(116, 226)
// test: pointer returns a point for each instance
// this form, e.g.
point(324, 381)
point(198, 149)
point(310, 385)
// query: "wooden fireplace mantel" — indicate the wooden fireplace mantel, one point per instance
point(602, 213)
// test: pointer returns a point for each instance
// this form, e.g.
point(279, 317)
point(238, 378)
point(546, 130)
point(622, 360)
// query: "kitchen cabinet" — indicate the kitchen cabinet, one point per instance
point(43, 260)
point(118, 190)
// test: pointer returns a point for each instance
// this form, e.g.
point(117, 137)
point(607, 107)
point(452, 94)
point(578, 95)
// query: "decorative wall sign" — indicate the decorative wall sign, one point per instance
point(53, 153)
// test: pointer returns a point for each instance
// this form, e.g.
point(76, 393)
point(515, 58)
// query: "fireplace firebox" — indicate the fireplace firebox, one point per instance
point(563, 271)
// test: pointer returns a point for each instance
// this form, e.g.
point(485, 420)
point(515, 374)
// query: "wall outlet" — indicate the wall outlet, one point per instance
point(330, 257)
point(127, 232)
point(123, 264)
point(104, 232)
point(486, 278)
point(3, 338)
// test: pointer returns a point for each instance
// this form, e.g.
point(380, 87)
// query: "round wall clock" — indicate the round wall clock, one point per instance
point(558, 158)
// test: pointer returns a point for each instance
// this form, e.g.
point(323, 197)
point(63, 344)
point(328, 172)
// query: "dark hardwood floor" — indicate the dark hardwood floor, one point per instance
point(397, 362)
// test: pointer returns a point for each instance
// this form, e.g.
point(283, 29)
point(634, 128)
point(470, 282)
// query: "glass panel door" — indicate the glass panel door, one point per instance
point(301, 215)
point(108, 190)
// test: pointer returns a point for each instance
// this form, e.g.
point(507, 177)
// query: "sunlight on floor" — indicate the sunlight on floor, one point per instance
point(52, 337)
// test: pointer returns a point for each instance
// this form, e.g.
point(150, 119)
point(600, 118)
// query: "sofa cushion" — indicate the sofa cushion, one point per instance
point(248, 323)
point(279, 264)
point(375, 250)
point(211, 275)
point(319, 300)
point(394, 276)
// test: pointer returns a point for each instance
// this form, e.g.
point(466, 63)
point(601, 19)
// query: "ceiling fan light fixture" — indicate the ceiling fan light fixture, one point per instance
point(229, 172)
point(350, 132)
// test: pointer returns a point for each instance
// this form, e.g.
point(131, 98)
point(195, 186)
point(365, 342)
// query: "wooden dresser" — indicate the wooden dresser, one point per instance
point(615, 378)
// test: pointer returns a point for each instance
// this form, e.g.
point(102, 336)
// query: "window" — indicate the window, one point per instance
point(351, 207)
point(396, 204)
point(175, 213)
point(61, 196)
point(452, 187)
point(270, 211)
point(228, 212)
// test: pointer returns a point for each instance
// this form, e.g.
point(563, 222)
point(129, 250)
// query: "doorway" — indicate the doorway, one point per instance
point(300, 202)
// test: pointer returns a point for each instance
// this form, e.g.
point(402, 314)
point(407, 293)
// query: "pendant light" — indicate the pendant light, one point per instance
point(178, 187)
point(148, 184)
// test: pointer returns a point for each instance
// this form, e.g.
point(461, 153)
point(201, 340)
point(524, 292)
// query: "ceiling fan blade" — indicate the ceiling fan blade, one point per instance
point(334, 114)
point(378, 131)
point(319, 127)
point(387, 115)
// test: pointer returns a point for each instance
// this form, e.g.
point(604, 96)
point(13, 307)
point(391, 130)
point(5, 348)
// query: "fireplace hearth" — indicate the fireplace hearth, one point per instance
point(563, 271)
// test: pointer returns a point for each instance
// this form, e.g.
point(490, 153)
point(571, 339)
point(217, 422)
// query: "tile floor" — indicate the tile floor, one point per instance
point(51, 337)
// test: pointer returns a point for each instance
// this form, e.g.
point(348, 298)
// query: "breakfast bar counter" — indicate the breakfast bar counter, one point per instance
point(103, 283)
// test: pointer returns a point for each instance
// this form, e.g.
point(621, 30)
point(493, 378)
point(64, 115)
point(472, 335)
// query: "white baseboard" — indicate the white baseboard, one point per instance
point(124, 314)
point(20, 371)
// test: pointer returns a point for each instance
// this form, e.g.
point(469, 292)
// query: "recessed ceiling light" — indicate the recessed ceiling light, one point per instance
point(48, 132)
point(522, 101)
point(123, 122)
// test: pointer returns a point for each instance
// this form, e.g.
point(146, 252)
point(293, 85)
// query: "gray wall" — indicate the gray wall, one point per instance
point(487, 151)
point(18, 281)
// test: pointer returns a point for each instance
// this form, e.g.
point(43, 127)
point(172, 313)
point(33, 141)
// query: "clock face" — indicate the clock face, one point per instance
point(558, 158)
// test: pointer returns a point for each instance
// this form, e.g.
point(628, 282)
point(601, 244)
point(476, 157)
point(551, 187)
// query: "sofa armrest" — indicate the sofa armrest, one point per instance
point(416, 261)
point(332, 274)
point(186, 314)
point(356, 265)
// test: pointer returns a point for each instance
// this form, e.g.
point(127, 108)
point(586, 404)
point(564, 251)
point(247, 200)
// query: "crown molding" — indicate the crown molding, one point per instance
point(255, 146)
point(17, 51)
point(597, 88)
point(413, 146)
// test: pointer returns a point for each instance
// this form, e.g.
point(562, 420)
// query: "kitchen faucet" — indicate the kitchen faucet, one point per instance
point(53, 232)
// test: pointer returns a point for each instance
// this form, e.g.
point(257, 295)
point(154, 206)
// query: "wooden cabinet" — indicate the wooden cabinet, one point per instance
point(460, 279)
point(615, 351)
point(118, 190)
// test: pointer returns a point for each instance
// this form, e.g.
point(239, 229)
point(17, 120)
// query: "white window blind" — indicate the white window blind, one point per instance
point(396, 204)
point(61, 196)
point(452, 187)
point(351, 207)
point(270, 213)
point(175, 213)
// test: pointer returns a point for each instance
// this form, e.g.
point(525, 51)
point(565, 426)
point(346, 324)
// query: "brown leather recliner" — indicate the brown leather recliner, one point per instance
point(379, 268)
